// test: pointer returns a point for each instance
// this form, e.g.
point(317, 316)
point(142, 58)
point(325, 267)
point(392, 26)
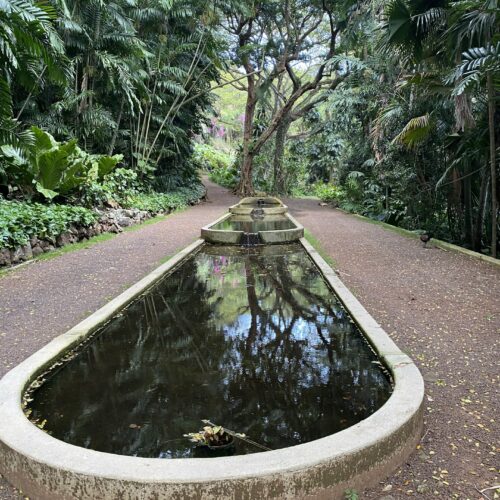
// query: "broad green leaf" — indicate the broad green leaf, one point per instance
point(43, 140)
point(106, 164)
point(73, 176)
point(52, 165)
point(48, 193)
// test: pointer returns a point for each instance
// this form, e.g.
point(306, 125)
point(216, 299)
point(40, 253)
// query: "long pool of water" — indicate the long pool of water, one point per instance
point(252, 339)
point(250, 224)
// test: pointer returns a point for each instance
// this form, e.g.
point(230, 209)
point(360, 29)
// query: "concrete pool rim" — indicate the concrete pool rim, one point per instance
point(230, 237)
point(45, 467)
point(246, 205)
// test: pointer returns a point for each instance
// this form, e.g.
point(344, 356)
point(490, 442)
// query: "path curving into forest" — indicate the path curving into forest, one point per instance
point(442, 308)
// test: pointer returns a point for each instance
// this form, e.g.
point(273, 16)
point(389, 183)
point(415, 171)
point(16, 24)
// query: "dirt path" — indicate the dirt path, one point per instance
point(443, 309)
point(440, 307)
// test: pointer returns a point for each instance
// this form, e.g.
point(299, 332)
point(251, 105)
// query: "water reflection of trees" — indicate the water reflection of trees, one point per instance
point(255, 342)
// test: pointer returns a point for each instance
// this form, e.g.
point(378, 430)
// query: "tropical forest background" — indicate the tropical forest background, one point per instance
point(387, 109)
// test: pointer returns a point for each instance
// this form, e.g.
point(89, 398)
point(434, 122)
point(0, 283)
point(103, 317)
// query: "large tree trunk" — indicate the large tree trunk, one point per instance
point(491, 125)
point(245, 187)
point(468, 211)
point(279, 153)
point(481, 207)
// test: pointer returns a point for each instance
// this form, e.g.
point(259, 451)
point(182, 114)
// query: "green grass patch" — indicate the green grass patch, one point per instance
point(76, 246)
point(156, 219)
point(164, 259)
point(317, 246)
point(395, 229)
point(60, 251)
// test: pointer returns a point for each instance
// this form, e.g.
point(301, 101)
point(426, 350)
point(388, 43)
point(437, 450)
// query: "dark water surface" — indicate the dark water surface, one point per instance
point(261, 204)
point(254, 225)
point(252, 339)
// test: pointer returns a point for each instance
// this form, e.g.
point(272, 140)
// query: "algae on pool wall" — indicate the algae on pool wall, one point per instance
point(249, 338)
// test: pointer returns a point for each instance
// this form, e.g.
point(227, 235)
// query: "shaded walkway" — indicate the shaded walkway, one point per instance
point(441, 307)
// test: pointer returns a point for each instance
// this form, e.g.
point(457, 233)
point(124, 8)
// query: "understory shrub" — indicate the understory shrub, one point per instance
point(329, 193)
point(123, 187)
point(209, 158)
point(226, 177)
point(221, 166)
point(156, 202)
point(19, 221)
point(118, 186)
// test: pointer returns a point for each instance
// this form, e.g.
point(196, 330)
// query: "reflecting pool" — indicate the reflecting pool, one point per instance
point(249, 338)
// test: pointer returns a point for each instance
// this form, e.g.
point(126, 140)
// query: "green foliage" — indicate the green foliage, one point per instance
point(351, 494)
point(230, 105)
point(329, 193)
point(30, 52)
point(226, 177)
point(404, 149)
point(21, 220)
point(224, 173)
point(220, 165)
point(158, 202)
point(208, 158)
point(53, 168)
point(106, 74)
point(116, 186)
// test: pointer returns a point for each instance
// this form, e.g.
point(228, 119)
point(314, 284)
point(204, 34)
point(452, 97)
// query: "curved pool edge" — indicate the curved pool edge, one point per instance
point(44, 467)
point(220, 236)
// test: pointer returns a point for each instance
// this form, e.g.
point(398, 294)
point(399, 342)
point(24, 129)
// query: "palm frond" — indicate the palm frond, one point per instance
point(415, 132)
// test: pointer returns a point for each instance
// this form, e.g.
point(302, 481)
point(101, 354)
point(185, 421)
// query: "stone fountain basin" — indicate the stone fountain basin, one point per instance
point(270, 205)
point(46, 468)
point(213, 234)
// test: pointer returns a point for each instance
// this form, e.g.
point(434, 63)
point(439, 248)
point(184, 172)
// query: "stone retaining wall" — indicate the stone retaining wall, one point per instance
point(110, 221)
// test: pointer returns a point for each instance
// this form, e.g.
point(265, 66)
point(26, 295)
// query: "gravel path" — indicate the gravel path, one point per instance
point(441, 307)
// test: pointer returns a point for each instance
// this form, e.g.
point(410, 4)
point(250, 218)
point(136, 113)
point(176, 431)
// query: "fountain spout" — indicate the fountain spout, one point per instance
point(250, 239)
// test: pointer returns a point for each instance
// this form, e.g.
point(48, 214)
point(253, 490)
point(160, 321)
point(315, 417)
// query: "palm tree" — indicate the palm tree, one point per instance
point(30, 52)
point(475, 26)
point(450, 52)
point(101, 40)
